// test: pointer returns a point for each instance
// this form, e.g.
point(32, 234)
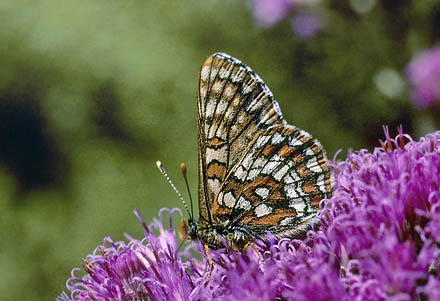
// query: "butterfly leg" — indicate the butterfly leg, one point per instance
point(252, 245)
point(210, 263)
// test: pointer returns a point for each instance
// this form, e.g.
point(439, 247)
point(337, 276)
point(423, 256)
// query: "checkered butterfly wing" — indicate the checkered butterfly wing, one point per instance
point(276, 185)
point(254, 168)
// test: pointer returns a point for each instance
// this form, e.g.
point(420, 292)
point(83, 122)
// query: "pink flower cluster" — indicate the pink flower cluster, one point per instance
point(379, 240)
point(423, 74)
point(305, 22)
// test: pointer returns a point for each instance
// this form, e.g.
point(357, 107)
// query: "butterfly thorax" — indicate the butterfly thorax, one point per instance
point(216, 235)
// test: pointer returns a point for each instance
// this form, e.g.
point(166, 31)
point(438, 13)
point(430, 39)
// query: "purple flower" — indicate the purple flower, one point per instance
point(423, 74)
point(382, 215)
point(269, 12)
point(139, 270)
point(379, 240)
point(306, 24)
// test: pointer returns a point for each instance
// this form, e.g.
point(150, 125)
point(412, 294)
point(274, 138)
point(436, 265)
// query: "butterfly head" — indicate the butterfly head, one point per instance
point(187, 229)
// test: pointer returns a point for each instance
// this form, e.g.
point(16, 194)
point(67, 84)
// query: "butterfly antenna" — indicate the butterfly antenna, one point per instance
point(183, 168)
point(164, 173)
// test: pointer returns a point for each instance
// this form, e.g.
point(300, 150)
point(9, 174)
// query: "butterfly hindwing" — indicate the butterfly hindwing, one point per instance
point(277, 183)
point(233, 106)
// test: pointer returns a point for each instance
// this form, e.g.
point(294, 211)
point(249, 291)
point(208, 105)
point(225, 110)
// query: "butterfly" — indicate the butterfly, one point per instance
point(257, 174)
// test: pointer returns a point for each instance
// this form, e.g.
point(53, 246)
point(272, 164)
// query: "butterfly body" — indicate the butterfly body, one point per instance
point(257, 174)
point(216, 234)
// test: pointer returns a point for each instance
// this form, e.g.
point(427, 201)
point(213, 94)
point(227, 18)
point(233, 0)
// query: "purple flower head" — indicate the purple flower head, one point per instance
point(379, 240)
point(269, 12)
point(140, 270)
point(423, 74)
point(306, 24)
point(381, 216)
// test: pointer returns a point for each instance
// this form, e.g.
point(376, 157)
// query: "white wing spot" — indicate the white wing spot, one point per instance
point(203, 91)
point(243, 203)
point(318, 143)
point(248, 88)
point(216, 154)
point(312, 165)
point(229, 200)
point(295, 176)
point(236, 101)
point(220, 198)
point(295, 142)
point(321, 184)
point(262, 192)
point(247, 161)
point(262, 210)
point(241, 118)
point(213, 73)
point(253, 173)
point(270, 167)
point(276, 138)
point(288, 180)
point(211, 133)
point(224, 73)
point(238, 77)
point(309, 152)
point(229, 91)
point(214, 184)
point(287, 221)
point(210, 108)
point(261, 141)
point(299, 206)
point(240, 174)
point(267, 116)
point(217, 87)
point(305, 134)
point(229, 112)
point(277, 158)
point(221, 107)
point(255, 105)
point(222, 134)
point(280, 173)
point(260, 162)
point(291, 191)
point(204, 74)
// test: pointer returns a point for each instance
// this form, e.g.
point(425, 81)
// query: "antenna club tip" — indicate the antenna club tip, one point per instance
point(183, 168)
point(159, 166)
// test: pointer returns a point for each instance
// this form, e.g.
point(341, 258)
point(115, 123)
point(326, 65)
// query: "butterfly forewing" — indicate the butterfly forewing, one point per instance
point(255, 170)
point(233, 106)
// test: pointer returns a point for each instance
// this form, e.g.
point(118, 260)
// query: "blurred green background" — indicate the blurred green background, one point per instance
point(92, 93)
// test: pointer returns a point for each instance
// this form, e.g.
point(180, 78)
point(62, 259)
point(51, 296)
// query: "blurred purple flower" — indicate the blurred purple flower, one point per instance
point(379, 240)
point(423, 74)
point(269, 12)
point(306, 24)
